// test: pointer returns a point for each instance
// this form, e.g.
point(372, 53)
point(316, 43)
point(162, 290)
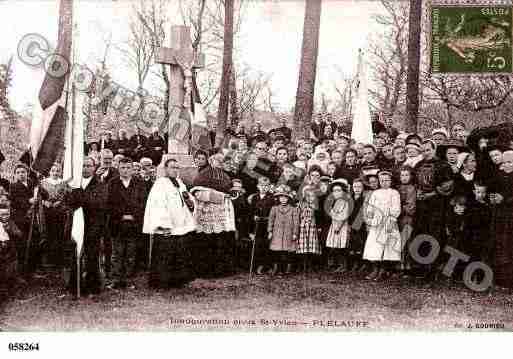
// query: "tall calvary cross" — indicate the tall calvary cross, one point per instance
point(182, 61)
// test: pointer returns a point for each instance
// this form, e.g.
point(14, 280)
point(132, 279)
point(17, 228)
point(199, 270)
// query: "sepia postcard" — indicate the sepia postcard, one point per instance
point(305, 166)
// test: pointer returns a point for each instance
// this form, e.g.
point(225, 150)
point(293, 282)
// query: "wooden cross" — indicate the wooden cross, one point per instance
point(182, 61)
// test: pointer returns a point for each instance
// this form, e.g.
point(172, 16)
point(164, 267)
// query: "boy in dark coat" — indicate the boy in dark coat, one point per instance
point(260, 205)
point(242, 214)
point(477, 243)
point(22, 203)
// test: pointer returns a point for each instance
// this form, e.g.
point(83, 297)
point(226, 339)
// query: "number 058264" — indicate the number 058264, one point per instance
point(23, 347)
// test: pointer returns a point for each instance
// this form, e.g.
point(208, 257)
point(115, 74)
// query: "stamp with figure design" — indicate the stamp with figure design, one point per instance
point(471, 39)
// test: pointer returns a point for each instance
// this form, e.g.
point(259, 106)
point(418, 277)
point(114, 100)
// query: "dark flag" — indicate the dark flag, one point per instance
point(47, 132)
point(26, 158)
point(53, 142)
point(52, 87)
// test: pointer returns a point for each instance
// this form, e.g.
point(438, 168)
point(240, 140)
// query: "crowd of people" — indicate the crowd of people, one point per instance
point(269, 204)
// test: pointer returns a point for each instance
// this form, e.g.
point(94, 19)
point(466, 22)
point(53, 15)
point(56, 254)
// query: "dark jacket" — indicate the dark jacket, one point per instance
point(20, 196)
point(126, 201)
point(348, 173)
point(123, 147)
point(137, 146)
point(5, 184)
point(113, 173)
point(93, 200)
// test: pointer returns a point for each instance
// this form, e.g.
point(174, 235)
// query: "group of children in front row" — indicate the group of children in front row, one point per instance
point(362, 227)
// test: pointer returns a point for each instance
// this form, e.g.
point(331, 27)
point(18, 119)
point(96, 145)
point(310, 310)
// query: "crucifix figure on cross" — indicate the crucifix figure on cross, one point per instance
point(187, 85)
point(183, 61)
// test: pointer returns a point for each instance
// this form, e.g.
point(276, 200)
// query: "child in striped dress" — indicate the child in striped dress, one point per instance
point(338, 235)
point(308, 244)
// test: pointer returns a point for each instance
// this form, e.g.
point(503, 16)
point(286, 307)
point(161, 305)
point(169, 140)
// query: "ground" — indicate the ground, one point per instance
point(296, 302)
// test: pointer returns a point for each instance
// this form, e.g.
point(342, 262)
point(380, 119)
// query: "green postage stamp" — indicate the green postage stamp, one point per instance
point(471, 39)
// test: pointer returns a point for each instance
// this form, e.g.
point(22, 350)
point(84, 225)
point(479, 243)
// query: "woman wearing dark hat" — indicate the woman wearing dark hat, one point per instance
point(449, 151)
point(464, 180)
point(495, 153)
point(414, 138)
point(371, 181)
point(156, 146)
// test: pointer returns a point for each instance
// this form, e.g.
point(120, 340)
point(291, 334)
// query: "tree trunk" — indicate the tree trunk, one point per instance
point(234, 107)
point(307, 71)
point(412, 81)
point(224, 97)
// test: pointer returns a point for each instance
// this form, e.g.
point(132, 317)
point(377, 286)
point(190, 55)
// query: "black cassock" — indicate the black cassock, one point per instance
point(93, 200)
point(151, 148)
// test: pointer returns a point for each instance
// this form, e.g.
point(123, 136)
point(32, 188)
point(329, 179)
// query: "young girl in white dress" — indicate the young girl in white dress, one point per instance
point(383, 245)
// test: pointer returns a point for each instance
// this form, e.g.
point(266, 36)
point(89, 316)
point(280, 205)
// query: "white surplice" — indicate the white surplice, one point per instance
point(165, 208)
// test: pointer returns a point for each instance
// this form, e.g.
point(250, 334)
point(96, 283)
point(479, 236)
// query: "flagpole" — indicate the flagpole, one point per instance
point(78, 274)
point(74, 35)
point(31, 229)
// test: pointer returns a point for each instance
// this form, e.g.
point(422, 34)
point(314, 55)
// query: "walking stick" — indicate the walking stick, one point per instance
point(150, 251)
point(31, 229)
point(252, 258)
point(78, 275)
point(253, 251)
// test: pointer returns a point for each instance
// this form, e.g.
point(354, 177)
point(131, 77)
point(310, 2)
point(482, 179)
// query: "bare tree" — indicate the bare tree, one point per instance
point(412, 81)
point(307, 71)
point(207, 19)
point(222, 113)
point(5, 81)
point(250, 91)
point(234, 108)
point(268, 102)
point(138, 50)
point(471, 94)
point(13, 140)
point(345, 91)
point(389, 58)
point(151, 15)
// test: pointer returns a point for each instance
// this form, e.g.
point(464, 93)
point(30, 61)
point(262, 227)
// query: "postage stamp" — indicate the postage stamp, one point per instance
point(471, 39)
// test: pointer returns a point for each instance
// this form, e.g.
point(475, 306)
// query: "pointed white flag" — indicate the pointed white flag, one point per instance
point(73, 162)
point(362, 126)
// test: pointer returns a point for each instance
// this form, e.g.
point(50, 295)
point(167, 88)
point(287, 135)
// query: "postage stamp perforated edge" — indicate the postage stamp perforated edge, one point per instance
point(429, 4)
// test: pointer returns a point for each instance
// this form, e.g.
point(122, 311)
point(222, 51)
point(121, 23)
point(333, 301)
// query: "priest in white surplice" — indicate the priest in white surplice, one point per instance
point(169, 219)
